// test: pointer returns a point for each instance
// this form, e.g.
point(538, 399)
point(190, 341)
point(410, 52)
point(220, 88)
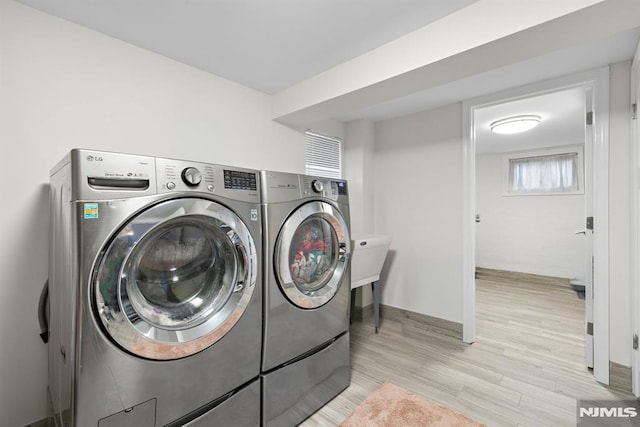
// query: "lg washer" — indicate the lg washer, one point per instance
point(155, 298)
point(305, 360)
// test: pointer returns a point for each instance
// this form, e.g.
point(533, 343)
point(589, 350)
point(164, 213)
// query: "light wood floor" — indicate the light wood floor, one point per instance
point(526, 367)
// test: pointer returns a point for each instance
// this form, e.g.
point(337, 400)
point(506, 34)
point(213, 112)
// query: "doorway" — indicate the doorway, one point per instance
point(594, 83)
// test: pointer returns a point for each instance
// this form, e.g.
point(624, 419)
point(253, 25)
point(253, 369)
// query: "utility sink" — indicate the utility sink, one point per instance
point(369, 253)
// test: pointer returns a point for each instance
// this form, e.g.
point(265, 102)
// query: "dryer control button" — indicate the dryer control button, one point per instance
point(317, 186)
point(171, 185)
point(191, 176)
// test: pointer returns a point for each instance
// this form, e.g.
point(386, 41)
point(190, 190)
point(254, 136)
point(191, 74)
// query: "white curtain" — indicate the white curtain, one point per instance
point(544, 174)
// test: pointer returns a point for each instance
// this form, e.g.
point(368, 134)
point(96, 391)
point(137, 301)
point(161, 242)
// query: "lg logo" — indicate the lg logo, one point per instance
point(94, 158)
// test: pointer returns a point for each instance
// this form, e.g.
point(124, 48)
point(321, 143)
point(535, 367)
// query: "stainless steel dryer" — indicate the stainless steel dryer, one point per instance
point(305, 359)
point(154, 292)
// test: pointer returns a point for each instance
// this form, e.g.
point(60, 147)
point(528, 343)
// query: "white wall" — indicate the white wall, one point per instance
point(417, 199)
point(63, 86)
point(620, 214)
point(332, 128)
point(418, 180)
point(358, 155)
point(528, 234)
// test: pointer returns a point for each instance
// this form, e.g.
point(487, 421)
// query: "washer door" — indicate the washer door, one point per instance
point(311, 254)
point(175, 278)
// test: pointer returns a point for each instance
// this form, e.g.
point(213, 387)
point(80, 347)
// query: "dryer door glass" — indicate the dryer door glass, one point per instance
point(312, 253)
point(175, 279)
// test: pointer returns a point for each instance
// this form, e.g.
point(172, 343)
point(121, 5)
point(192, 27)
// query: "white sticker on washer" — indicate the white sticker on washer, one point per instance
point(254, 214)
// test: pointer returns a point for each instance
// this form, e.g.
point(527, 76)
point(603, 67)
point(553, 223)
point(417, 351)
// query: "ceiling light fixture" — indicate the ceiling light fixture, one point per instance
point(515, 124)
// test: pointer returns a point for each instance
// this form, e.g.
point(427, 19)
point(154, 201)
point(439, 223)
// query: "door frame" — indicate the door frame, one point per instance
point(635, 209)
point(598, 81)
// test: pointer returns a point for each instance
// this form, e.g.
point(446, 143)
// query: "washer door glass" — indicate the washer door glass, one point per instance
point(312, 253)
point(175, 279)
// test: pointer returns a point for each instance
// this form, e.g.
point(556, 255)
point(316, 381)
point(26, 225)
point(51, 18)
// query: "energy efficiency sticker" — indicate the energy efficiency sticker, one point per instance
point(90, 210)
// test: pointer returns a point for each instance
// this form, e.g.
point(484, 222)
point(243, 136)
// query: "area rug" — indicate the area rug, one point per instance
point(391, 406)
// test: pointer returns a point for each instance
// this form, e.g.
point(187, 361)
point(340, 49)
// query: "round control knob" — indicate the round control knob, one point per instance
point(317, 186)
point(191, 176)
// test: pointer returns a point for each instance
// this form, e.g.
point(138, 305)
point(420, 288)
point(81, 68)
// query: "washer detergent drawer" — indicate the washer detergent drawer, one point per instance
point(141, 415)
point(294, 392)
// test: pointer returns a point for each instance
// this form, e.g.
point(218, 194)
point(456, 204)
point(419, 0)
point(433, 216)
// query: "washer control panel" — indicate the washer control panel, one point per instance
point(180, 175)
point(240, 180)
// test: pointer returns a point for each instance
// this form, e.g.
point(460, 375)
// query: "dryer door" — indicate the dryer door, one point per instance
point(311, 254)
point(175, 278)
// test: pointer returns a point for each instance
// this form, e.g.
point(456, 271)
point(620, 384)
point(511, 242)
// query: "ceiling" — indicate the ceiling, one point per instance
point(274, 45)
point(562, 115)
point(267, 45)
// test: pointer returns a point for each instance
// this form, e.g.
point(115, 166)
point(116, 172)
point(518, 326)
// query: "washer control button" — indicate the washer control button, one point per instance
point(191, 176)
point(171, 185)
point(211, 188)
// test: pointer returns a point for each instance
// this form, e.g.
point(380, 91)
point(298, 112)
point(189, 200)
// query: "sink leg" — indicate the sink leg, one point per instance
point(376, 304)
point(353, 304)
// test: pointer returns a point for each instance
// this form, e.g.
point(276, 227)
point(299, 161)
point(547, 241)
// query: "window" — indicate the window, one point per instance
point(323, 156)
point(545, 173)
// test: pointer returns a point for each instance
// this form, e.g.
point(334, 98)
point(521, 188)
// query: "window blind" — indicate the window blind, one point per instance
point(323, 156)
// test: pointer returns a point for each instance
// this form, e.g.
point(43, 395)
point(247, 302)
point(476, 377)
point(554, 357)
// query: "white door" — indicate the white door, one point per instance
point(588, 228)
point(635, 307)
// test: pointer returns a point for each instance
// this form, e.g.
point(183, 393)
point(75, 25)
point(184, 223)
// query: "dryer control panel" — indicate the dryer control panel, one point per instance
point(286, 187)
point(324, 187)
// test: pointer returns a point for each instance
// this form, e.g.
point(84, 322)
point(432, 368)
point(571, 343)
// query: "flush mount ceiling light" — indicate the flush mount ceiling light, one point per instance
point(515, 124)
